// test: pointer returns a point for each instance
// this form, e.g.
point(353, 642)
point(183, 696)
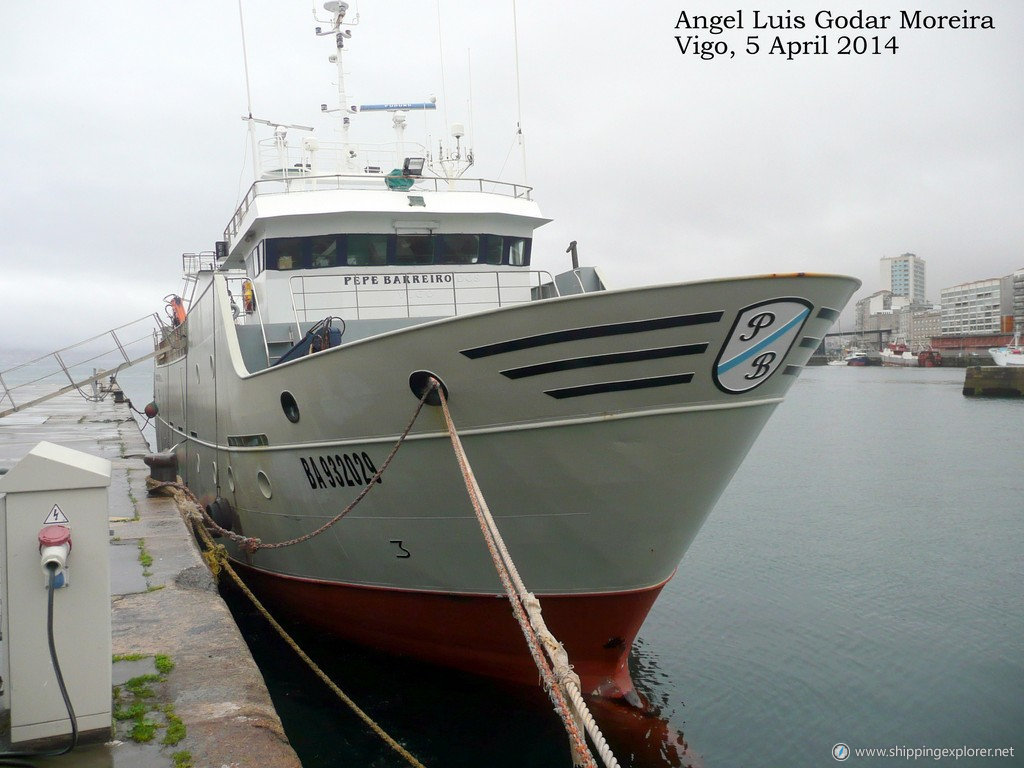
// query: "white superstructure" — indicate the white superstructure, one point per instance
point(602, 425)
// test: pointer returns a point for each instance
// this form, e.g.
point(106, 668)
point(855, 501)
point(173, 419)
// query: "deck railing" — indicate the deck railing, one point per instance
point(302, 182)
point(79, 365)
point(414, 294)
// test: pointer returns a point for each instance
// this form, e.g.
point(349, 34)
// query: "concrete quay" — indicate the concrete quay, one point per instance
point(994, 381)
point(177, 652)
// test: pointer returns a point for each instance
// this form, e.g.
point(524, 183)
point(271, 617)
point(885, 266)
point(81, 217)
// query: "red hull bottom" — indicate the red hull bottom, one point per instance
point(473, 633)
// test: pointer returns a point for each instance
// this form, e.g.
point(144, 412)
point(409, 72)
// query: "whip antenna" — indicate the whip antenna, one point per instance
point(469, 74)
point(248, 94)
point(519, 97)
point(440, 56)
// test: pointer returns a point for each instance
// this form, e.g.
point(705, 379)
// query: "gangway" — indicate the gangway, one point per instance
point(81, 364)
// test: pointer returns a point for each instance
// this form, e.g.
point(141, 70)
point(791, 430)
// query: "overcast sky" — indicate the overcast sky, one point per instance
point(123, 147)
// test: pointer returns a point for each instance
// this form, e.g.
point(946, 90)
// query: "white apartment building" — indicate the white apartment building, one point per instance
point(1018, 298)
point(903, 276)
point(972, 309)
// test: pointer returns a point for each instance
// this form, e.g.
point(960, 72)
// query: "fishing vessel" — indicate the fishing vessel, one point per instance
point(897, 353)
point(602, 425)
point(854, 357)
point(1010, 355)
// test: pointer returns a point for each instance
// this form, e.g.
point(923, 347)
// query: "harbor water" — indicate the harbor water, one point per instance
point(860, 582)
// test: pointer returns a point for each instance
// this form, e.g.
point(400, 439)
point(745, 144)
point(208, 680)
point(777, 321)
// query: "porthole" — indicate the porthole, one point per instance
point(290, 407)
point(264, 483)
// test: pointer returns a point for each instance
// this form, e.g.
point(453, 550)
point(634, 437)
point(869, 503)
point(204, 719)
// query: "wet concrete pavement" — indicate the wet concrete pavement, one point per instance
point(177, 646)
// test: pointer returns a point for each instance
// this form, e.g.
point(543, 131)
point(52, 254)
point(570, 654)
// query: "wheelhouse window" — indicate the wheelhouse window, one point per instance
point(366, 250)
point(491, 249)
point(457, 249)
point(324, 251)
point(284, 253)
point(518, 251)
point(254, 262)
point(377, 250)
point(413, 250)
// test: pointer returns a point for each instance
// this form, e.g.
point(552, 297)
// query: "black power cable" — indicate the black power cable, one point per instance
point(18, 759)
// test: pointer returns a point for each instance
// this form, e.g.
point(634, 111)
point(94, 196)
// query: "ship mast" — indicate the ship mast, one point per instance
point(452, 163)
point(338, 9)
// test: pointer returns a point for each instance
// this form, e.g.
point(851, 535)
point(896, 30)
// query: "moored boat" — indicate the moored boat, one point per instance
point(857, 358)
point(1010, 355)
point(897, 353)
point(601, 424)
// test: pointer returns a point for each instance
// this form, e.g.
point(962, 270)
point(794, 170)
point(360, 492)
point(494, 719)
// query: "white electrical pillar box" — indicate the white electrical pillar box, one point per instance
point(55, 488)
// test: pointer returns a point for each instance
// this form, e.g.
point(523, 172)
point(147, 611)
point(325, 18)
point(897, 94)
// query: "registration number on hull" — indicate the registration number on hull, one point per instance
point(339, 470)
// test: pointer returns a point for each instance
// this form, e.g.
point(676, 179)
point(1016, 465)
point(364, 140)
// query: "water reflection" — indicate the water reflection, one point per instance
point(642, 738)
point(649, 736)
point(445, 717)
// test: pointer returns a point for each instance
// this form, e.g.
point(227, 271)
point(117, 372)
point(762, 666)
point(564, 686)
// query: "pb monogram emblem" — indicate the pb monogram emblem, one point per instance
point(759, 341)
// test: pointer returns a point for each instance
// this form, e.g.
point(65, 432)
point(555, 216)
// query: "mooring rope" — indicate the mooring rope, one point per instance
point(557, 675)
point(251, 544)
point(217, 558)
point(548, 654)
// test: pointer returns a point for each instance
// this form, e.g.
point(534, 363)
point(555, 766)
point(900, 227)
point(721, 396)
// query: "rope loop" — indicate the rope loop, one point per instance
point(250, 545)
point(215, 558)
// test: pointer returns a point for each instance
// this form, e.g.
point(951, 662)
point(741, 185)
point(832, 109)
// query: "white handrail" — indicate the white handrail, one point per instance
point(358, 296)
point(76, 363)
point(306, 182)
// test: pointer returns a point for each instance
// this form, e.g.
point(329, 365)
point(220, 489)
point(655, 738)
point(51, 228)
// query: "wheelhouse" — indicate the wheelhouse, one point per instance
point(380, 249)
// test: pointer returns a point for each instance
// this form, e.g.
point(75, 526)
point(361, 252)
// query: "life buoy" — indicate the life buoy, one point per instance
point(248, 297)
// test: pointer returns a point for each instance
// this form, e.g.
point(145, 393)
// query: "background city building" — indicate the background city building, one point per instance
point(918, 326)
point(904, 276)
point(1018, 298)
point(970, 317)
point(977, 308)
